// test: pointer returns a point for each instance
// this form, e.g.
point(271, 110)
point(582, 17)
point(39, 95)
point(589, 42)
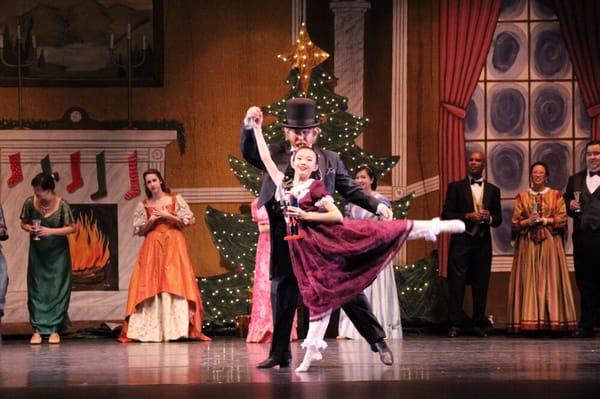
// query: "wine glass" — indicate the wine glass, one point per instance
point(535, 210)
point(577, 197)
point(36, 225)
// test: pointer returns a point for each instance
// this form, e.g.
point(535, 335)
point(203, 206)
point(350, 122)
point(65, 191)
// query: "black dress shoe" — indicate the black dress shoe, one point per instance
point(584, 333)
point(479, 332)
point(271, 362)
point(385, 354)
point(453, 332)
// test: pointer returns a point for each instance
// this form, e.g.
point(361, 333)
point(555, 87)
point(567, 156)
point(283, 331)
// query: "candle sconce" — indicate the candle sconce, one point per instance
point(19, 65)
point(129, 66)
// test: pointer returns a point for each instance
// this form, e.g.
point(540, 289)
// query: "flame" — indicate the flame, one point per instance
point(88, 246)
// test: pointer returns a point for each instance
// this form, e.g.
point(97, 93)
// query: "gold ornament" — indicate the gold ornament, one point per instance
point(304, 55)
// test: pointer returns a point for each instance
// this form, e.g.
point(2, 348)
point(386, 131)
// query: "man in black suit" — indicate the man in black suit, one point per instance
point(477, 203)
point(585, 212)
point(302, 129)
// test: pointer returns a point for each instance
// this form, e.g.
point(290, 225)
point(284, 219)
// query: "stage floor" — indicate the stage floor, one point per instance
point(425, 366)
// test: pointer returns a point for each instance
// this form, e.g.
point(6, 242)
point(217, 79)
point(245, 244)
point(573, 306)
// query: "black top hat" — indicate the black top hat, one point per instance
point(300, 113)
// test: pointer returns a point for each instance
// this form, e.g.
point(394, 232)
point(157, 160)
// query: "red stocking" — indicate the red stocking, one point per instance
point(133, 177)
point(77, 181)
point(15, 168)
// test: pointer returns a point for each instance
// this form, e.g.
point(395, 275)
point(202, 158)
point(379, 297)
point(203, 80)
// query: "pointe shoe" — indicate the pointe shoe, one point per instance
point(36, 339)
point(54, 338)
point(312, 355)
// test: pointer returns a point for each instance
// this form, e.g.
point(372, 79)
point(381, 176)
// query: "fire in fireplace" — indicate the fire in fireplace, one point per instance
point(94, 247)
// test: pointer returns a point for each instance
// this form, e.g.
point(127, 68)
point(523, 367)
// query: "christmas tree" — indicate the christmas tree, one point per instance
point(419, 290)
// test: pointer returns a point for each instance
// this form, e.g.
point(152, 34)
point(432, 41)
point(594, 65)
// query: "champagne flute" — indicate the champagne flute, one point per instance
point(577, 197)
point(535, 209)
point(36, 225)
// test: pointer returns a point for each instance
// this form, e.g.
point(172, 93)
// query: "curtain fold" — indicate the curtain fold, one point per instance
point(466, 32)
point(580, 26)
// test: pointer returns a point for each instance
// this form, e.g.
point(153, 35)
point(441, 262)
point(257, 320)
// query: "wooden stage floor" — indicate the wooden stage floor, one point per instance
point(425, 366)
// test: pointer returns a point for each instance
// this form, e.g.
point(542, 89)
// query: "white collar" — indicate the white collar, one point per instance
point(533, 192)
point(302, 186)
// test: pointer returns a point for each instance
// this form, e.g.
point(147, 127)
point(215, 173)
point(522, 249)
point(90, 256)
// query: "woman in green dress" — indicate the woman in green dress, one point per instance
point(48, 219)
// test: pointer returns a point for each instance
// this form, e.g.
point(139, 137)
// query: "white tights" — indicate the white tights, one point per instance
point(313, 342)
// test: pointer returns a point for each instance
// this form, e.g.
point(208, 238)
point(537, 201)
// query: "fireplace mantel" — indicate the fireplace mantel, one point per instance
point(118, 145)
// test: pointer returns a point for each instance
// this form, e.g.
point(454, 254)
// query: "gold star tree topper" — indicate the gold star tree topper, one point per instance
point(304, 55)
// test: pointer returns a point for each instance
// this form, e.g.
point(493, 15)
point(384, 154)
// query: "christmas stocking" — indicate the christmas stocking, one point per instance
point(134, 180)
point(77, 181)
point(15, 168)
point(46, 165)
point(101, 177)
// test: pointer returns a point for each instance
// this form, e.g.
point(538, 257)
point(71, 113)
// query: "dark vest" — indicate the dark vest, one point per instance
point(590, 207)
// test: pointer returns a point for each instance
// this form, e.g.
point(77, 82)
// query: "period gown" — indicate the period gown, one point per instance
point(333, 263)
point(260, 328)
point(48, 270)
point(164, 300)
point(540, 295)
point(382, 294)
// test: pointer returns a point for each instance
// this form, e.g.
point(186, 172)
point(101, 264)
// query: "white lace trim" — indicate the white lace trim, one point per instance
point(318, 343)
point(140, 218)
point(327, 198)
point(544, 191)
point(298, 191)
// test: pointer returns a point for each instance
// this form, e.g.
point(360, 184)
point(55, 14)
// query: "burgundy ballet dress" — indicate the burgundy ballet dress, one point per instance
point(334, 263)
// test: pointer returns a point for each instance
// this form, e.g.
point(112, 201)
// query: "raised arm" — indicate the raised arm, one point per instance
point(247, 141)
point(265, 156)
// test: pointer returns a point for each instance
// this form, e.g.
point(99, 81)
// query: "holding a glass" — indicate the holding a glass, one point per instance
point(48, 219)
point(35, 227)
point(576, 205)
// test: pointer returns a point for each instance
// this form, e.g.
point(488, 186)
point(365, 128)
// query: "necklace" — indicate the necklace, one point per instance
point(45, 208)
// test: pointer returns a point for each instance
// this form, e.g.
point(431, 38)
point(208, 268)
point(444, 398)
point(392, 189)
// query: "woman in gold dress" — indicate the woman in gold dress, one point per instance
point(540, 296)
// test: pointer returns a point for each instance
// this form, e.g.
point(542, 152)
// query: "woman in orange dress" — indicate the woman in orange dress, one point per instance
point(164, 302)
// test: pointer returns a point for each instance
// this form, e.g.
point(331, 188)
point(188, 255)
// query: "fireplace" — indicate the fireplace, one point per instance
point(105, 252)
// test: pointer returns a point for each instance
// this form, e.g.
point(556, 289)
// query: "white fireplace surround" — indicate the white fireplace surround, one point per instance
point(59, 144)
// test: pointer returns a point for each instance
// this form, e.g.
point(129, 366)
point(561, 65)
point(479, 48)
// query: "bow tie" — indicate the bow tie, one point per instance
point(473, 181)
point(592, 174)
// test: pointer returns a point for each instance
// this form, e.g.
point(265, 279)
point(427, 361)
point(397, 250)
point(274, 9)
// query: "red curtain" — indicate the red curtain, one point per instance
point(580, 25)
point(466, 31)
